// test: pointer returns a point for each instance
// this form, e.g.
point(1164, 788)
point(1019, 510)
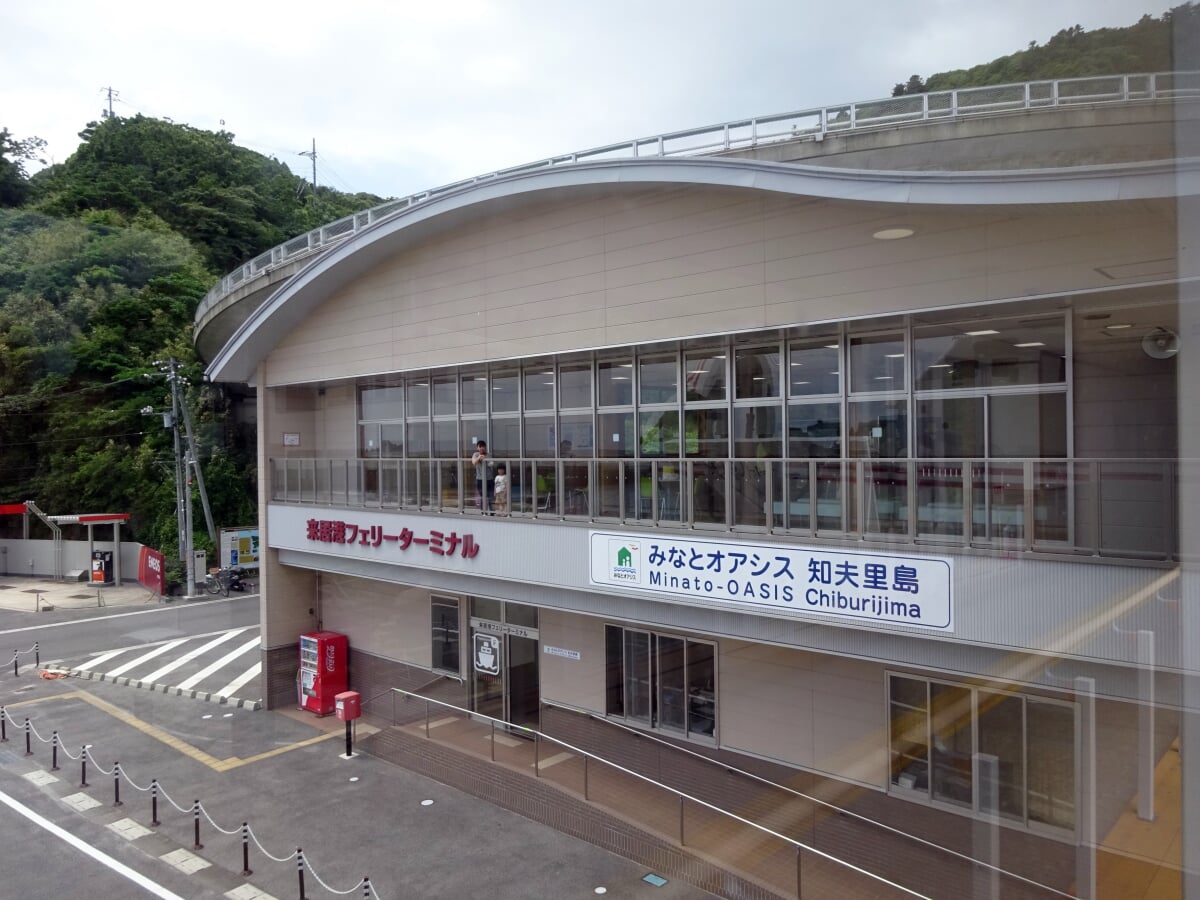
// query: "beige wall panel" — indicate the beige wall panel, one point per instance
point(957, 252)
point(690, 214)
point(337, 423)
point(680, 296)
point(533, 301)
point(573, 682)
point(849, 724)
point(588, 317)
point(795, 306)
point(708, 262)
point(556, 271)
point(787, 217)
point(293, 595)
point(765, 703)
point(384, 619)
point(732, 319)
point(539, 344)
point(550, 253)
point(686, 307)
point(658, 246)
point(583, 224)
point(435, 306)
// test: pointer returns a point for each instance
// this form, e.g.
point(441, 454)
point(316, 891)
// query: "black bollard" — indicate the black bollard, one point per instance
point(3, 726)
point(37, 654)
point(154, 803)
point(246, 870)
point(54, 751)
point(349, 747)
point(116, 784)
point(28, 749)
point(366, 888)
point(83, 766)
point(300, 870)
point(16, 671)
point(196, 845)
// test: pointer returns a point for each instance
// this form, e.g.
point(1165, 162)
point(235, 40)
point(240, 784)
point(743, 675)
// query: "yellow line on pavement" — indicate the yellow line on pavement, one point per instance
point(219, 765)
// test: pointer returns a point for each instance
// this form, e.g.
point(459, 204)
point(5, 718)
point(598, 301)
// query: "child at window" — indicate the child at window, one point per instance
point(501, 495)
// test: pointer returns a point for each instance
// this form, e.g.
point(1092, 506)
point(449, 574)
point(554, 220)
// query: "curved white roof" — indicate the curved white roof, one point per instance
point(238, 359)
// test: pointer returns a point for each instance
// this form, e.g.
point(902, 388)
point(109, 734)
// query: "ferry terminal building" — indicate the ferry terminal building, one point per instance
point(852, 457)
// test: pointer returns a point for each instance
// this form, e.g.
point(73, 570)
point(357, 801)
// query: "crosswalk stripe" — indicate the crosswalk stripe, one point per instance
point(100, 660)
point(192, 654)
point(229, 657)
point(241, 681)
point(145, 657)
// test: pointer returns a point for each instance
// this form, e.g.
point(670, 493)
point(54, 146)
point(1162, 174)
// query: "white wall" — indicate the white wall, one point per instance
point(16, 556)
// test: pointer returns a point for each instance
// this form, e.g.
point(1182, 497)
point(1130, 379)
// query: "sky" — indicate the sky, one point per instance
point(404, 96)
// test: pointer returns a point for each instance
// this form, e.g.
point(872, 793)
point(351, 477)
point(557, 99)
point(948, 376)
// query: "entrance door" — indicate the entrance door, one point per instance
point(504, 661)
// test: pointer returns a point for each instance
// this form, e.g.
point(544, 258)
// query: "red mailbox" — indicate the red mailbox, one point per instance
point(348, 705)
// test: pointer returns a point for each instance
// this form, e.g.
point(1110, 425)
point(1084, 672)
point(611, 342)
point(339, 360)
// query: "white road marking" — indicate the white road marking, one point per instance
point(99, 660)
point(103, 858)
point(95, 619)
point(192, 654)
point(225, 660)
point(145, 657)
point(231, 689)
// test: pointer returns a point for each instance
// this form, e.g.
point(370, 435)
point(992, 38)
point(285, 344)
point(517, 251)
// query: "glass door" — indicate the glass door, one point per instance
point(505, 677)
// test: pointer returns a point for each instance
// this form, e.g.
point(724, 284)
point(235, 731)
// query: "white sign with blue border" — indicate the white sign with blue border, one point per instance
point(866, 587)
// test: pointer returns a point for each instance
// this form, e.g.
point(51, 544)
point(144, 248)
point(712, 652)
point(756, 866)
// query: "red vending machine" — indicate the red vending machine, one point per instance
point(323, 670)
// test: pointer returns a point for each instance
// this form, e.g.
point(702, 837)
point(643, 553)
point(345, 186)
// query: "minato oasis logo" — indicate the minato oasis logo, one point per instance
point(625, 558)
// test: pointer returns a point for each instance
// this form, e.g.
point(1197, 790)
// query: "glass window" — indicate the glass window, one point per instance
point(575, 435)
point(615, 435)
point(658, 433)
point(1002, 735)
point(756, 373)
point(473, 431)
point(672, 689)
point(368, 441)
point(702, 695)
point(474, 394)
point(1028, 425)
point(664, 681)
point(445, 397)
point(487, 608)
point(908, 711)
point(704, 375)
point(986, 354)
point(377, 403)
point(637, 675)
point(953, 772)
point(575, 386)
point(540, 442)
point(418, 440)
point(539, 388)
point(706, 433)
point(877, 363)
point(505, 388)
point(445, 439)
point(614, 671)
point(758, 432)
point(418, 398)
point(878, 429)
point(950, 428)
point(658, 379)
point(614, 380)
point(815, 430)
point(445, 634)
point(392, 441)
point(1051, 755)
point(521, 614)
point(815, 368)
point(506, 439)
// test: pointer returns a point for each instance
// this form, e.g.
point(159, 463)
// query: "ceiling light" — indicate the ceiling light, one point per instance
point(941, 365)
point(798, 383)
point(1118, 327)
point(895, 356)
point(697, 371)
point(1031, 344)
point(883, 378)
point(985, 331)
point(832, 346)
point(620, 378)
point(895, 233)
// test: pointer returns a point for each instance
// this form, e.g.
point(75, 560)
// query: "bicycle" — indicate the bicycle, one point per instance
point(222, 581)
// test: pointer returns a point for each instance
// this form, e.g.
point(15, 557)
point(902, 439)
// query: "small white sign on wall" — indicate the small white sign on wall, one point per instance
point(291, 439)
point(560, 651)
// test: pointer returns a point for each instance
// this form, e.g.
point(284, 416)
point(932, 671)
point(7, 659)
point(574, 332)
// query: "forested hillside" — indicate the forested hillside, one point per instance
point(103, 260)
point(1146, 46)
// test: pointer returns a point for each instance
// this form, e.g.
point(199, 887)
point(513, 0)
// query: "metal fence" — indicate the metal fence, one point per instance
point(808, 124)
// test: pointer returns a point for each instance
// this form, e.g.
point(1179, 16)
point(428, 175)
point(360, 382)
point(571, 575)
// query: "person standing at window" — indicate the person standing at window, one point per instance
point(501, 489)
point(483, 485)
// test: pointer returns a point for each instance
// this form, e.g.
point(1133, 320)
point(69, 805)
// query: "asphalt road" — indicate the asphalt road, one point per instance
point(73, 634)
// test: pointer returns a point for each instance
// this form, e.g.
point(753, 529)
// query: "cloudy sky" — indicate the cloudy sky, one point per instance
point(402, 96)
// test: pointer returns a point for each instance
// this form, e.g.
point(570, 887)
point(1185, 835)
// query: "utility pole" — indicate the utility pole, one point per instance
point(312, 154)
point(111, 94)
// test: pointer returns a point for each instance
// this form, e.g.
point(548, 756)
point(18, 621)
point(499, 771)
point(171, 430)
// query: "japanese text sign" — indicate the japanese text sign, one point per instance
point(866, 587)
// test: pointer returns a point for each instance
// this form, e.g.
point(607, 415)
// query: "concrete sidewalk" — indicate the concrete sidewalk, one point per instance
point(46, 595)
point(285, 775)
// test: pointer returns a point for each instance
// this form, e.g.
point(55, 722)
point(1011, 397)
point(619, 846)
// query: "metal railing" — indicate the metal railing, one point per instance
point(1124, 508)
point(708, 822)
point(742, 134)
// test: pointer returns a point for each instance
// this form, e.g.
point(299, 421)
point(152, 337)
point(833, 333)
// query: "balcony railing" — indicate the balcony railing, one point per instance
point(1099, 507)
point(742, 134)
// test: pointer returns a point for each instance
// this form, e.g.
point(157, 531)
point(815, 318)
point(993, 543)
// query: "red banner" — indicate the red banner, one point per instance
point(152, 571)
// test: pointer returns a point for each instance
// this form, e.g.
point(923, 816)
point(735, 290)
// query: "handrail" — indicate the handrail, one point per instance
point(799, 845)
point(816, 800)
point(812, 124)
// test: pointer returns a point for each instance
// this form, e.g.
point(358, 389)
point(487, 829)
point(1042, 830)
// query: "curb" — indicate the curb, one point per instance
point(205, 696)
